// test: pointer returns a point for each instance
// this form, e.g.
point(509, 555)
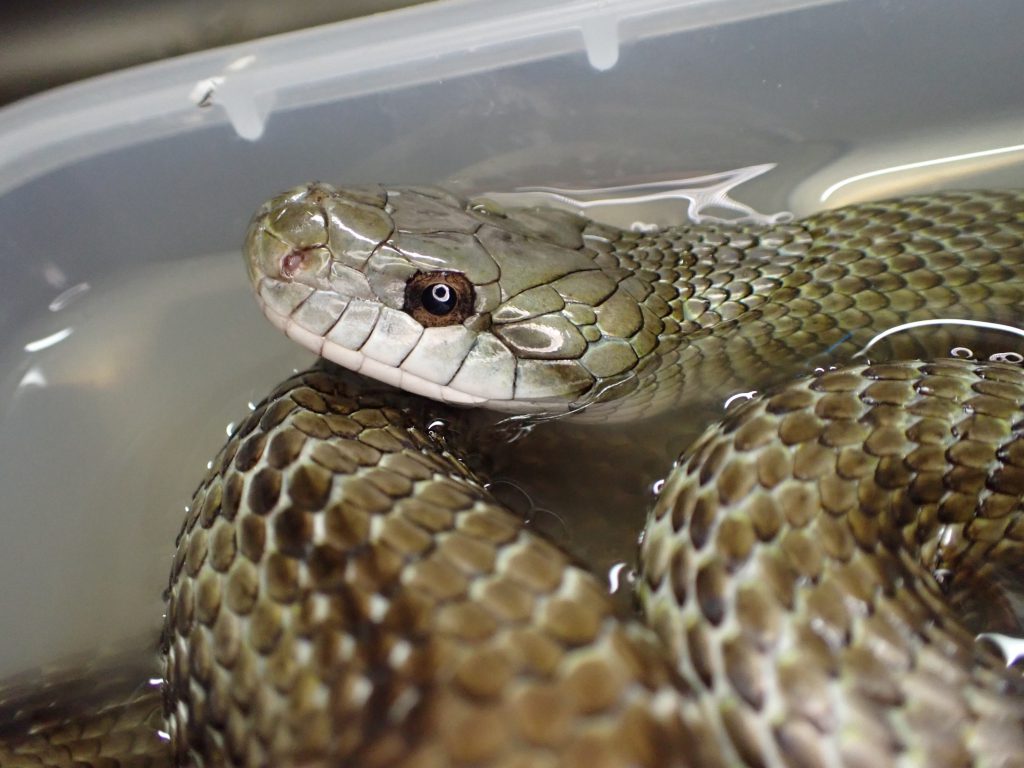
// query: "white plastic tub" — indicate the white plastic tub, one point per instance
point(128, 341)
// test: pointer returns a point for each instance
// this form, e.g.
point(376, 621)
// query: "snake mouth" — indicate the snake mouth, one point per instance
point(363, 361)
point(358, 361)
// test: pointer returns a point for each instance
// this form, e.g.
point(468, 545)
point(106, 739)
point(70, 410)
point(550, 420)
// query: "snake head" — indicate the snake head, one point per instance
point(457, 300)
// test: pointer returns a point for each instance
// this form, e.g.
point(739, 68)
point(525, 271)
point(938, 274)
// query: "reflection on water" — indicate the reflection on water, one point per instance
point(957, 327)
point(64, 299)
point(621, 576)
point(1009, 647)
point(48, 341)
point(654, 204)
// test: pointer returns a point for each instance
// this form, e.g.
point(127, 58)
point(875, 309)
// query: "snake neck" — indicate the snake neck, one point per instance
point(734, 308)
point(697, 277)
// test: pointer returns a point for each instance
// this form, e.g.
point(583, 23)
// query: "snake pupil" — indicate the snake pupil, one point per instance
point(439, 299)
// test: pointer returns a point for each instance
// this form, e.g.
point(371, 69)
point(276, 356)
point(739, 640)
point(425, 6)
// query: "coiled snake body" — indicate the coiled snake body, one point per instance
point(346, 591)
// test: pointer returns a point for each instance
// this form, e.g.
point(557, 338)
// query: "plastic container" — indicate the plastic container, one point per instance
point(128, 341)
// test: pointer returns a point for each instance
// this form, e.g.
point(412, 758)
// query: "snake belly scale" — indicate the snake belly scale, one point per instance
point(346, 591)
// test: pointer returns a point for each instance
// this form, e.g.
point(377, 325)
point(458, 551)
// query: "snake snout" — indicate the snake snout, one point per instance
point(300, 242)
point(287, 236)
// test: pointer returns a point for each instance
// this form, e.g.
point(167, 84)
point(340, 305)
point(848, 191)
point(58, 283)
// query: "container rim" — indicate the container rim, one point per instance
point(242, 85)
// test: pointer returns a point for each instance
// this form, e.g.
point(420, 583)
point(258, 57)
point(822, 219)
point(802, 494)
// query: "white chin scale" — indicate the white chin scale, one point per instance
point(355, 360)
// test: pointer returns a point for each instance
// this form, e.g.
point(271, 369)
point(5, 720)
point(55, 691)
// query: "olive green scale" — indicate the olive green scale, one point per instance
point(346, 591)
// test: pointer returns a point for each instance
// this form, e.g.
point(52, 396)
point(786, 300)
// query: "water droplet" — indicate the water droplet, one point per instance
point(1011, 648)
point(657, 486)
point(1007, 357)
point(479, 207)
point(644, 227)
point(163, 735)
point(251, 405)
point(961, 352)
point(230, 429)
point(620, 574)
point(739, 396)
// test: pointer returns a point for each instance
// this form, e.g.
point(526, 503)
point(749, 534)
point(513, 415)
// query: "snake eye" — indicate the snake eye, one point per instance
point(439, 298)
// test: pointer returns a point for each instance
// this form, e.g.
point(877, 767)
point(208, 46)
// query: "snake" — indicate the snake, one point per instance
point(812, 578)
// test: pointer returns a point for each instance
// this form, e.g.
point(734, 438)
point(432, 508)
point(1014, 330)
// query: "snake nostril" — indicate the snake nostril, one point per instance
point(292, 262)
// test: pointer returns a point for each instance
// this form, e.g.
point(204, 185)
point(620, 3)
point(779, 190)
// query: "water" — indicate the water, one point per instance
point(114, 397)
point(112, 400)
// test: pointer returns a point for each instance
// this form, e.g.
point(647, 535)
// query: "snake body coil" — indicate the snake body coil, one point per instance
point(346, 591)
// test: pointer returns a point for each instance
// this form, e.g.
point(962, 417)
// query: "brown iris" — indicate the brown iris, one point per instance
point(438, 298)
